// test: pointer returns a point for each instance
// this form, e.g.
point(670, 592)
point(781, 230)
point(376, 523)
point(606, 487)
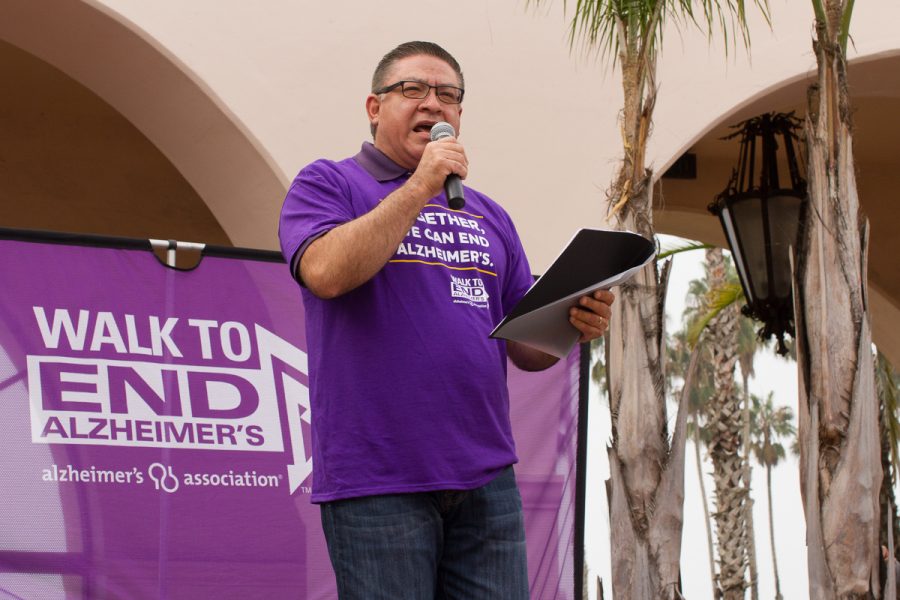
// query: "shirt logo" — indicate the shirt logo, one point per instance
point(468, 290)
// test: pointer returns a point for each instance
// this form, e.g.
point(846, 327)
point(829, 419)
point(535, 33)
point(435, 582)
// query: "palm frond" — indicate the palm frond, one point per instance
point(718, 299)
point(768, 426)
point(845, 26)
point(819, 10)
point(684, 248)
point(596, 26)
point(636, 27)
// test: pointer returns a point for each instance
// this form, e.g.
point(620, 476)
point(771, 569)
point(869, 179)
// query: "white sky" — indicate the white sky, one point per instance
point(772, 374)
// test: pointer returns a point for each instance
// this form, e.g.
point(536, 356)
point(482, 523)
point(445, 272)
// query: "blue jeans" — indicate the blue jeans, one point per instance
point(453, 545)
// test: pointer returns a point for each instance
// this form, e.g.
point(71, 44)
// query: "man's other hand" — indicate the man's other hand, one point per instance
point(591, 316)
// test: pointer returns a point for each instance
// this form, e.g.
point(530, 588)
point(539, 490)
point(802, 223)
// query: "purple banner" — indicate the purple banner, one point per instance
point(155, 434)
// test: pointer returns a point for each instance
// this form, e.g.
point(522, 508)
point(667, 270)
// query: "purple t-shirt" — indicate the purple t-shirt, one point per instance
point(408, 392)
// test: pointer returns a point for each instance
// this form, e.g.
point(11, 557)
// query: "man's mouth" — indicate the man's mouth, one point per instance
point(424, 127)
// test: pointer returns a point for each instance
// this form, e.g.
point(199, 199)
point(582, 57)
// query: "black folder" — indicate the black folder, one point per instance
point(594, 259)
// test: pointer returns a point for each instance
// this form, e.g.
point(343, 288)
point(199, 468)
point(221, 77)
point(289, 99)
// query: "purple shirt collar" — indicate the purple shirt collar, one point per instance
point(378, 164)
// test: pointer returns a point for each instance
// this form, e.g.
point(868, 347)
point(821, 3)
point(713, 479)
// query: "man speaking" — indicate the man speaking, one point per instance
point(412, 445)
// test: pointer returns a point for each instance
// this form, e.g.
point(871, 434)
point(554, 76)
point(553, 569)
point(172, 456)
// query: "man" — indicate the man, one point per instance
point(412, 448)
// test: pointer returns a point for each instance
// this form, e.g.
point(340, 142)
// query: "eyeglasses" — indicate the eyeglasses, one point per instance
point(448, 94)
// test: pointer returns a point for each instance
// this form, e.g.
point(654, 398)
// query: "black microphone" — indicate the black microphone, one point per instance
point(453, 188)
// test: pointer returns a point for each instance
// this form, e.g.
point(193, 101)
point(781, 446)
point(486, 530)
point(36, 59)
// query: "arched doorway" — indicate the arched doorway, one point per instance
point(82, 54)
point(875, 94)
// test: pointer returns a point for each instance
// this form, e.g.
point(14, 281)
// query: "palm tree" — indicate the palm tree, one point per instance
point(679, 353)
point(770, 425)
point(840, 468)
point(646, 470)
point(748, 344)
point(712, 308)
point(725, 418)
point(704, 307)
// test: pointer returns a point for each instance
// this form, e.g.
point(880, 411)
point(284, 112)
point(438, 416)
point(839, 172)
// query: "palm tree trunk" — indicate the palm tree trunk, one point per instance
point(838, 411)
point(725, 418)
point(706, 520)
point(772, 533)
point(646, 487)
point(748, 505)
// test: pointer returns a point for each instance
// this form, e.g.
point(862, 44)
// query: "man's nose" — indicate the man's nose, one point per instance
point(431, 100)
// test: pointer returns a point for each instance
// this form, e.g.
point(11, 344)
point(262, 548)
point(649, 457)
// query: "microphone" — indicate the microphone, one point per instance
point(453, 188)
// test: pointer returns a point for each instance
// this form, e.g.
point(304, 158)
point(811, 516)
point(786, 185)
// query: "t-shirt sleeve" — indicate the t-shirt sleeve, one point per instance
point(317, 201)
point(519, 278)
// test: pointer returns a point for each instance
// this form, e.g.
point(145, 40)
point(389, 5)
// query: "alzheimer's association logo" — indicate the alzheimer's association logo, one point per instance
point(468, 290)
point(179, 400)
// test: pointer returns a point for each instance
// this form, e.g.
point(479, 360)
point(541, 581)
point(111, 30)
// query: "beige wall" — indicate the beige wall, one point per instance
point(295, 74)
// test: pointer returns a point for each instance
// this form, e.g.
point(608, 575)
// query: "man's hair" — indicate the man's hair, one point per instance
point(408, 49)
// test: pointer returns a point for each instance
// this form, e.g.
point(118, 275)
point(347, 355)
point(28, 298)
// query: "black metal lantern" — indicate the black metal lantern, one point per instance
point(760, 214)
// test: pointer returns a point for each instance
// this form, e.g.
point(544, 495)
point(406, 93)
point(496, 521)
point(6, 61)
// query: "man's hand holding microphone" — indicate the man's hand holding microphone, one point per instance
point(443, 165)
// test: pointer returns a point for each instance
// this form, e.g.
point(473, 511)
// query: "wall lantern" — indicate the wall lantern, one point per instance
point(760, 212)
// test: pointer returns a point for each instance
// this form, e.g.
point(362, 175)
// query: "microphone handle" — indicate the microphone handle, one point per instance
point(453, 189)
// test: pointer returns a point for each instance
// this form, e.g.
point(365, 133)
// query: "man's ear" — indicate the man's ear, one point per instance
point(373, 106)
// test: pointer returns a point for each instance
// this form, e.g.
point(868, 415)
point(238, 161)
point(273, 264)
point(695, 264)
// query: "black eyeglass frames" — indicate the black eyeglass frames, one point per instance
point(448, 94)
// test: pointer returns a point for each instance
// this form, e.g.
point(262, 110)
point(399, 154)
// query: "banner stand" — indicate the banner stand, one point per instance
point(584, 388)
point(182, 256)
